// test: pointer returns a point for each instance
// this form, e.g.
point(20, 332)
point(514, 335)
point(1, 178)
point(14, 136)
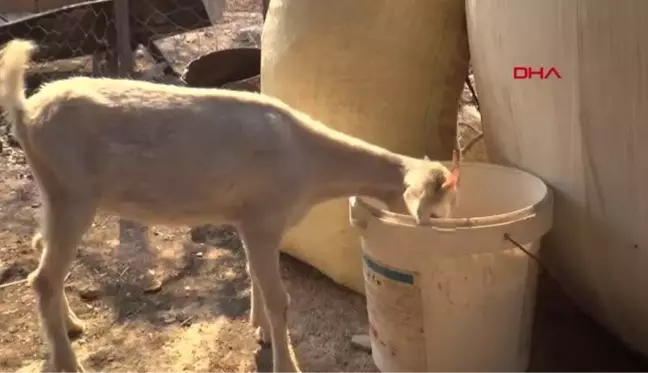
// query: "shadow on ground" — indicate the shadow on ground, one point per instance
point(567, 340)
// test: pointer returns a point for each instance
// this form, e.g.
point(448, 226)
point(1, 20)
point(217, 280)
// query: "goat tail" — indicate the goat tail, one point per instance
point(14, 58)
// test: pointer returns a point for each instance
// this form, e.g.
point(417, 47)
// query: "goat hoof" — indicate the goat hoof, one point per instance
point(291, 367)
point(262, 337)
point(75, 328)
point(72, 367)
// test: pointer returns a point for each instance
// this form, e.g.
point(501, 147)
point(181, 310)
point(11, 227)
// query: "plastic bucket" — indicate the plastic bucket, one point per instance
point(458, 294)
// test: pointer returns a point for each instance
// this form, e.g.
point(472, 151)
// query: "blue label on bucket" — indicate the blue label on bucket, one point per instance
point(391, 274)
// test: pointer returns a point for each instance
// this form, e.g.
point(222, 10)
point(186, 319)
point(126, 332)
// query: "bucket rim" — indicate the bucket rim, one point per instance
point(406, 220)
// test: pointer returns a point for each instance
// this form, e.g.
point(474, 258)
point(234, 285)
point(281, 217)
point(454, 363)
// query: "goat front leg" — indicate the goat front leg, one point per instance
point(261, 243)
point(258, 318)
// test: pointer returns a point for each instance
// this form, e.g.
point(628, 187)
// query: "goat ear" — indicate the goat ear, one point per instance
point(453, 179)
point(412, 198)
point(426, 158)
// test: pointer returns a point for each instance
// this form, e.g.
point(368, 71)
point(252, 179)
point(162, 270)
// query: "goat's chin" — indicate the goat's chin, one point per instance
point(438, 216)
point(440, 213)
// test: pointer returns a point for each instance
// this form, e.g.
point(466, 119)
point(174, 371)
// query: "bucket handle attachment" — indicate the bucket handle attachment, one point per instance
point(508, 238)
point(358, 218)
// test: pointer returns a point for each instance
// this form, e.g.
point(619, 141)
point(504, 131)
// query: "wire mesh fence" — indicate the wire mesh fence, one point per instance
point(235, 28)
point(158, 28)
point(165, 35)
point(67, 39)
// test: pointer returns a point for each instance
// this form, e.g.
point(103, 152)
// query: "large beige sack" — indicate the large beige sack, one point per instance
point(586, 135)
point(387, 71)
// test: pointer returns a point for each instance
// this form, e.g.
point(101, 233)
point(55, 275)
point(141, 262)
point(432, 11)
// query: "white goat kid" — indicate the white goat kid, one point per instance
point(162, 154)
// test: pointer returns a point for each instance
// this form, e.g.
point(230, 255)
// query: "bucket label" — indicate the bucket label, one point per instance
point(395, 310)
point(392, 274)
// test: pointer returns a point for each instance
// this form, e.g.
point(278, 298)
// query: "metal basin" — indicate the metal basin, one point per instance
point(235, 68)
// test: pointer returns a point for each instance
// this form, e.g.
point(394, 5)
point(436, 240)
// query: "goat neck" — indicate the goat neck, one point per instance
point(342, 166)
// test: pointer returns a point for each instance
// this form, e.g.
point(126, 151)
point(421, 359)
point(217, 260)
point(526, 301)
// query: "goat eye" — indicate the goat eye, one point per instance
point(440, 180)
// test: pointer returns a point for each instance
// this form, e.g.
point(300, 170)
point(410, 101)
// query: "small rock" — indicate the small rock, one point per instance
point(100, 357)
point(90, 294)
point(199, 254)
point(249, 36)
point(362, 342)
point(156, 285)
point(169, 317)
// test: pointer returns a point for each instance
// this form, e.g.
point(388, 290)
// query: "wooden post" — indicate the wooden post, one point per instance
point(265, 6)
point(122, 26)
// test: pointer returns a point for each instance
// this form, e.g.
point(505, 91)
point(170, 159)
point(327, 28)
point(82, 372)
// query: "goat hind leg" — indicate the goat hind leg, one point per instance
point(258, 318)
point(66, 219)
point(73, 324)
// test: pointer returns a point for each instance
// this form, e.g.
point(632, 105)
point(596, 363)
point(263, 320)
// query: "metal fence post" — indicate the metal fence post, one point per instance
point(122, 26)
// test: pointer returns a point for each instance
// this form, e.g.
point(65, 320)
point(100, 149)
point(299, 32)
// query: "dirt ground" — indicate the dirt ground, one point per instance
point(164, 299)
